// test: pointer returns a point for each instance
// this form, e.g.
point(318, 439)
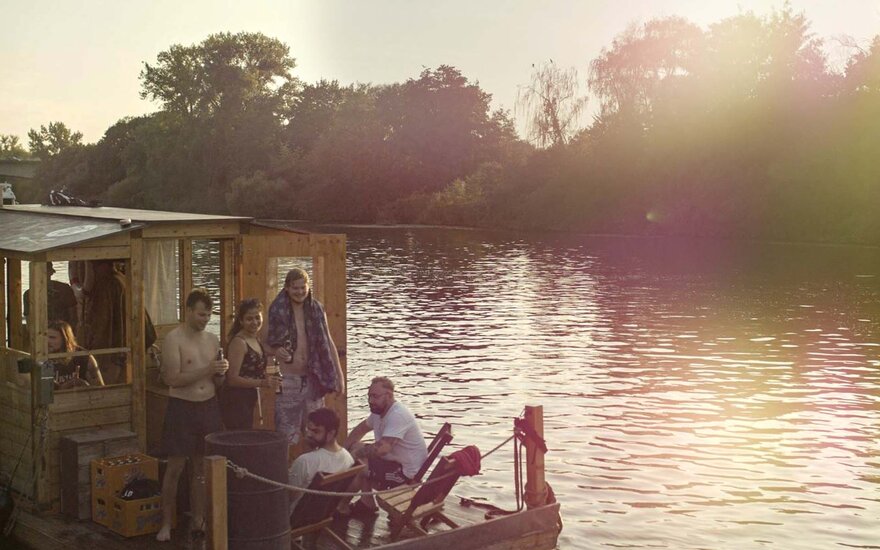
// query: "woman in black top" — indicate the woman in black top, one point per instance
point(247, 367)
point(70, 372)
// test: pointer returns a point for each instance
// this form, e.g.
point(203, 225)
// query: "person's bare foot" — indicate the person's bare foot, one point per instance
point(164, 534)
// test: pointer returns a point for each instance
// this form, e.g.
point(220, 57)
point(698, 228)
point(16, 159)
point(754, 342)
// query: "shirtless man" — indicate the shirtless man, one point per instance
point(299, 338)
point(191, 369)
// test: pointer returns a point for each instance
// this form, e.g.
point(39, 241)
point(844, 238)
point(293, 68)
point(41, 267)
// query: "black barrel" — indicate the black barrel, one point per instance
point(258, 515)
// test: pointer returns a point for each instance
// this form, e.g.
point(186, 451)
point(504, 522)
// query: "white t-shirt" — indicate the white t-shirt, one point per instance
point(319, 460)
point(411, 451)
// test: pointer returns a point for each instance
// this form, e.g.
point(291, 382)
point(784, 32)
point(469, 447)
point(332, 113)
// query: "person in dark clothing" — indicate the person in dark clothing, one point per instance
point(70, 372)
point(247, 367)
point(60, 300)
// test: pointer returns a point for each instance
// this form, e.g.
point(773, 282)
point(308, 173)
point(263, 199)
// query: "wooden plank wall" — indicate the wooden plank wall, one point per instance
point(15, 421)
point(77, 411)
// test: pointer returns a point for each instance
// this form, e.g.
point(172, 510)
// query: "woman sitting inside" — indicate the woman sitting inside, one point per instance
point(71, 372)
point(247, 368)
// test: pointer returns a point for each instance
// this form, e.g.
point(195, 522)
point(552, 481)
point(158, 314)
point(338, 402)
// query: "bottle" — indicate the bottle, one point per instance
point(275, 370)
point(219, 358)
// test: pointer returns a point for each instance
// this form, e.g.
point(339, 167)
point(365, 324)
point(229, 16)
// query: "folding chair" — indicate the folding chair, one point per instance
point(415, 507)
point(440, 440)
point(314, 513)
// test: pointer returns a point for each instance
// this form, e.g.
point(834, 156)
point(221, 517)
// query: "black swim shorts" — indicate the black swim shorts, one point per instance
point(386, 474)
point(186, 425)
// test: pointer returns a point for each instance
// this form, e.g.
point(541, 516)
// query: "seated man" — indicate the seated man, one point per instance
point(326, 455)
point(399, 450)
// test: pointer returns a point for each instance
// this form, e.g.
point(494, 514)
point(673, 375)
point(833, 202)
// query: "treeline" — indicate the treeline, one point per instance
point(741, 129)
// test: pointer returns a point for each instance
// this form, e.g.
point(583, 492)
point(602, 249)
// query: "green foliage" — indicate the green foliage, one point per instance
point(10, 148)
point(52, 140)
point(226, 72)
point(738, 130)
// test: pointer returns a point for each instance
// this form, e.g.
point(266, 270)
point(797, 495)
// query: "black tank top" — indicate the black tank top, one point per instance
point(253, 364)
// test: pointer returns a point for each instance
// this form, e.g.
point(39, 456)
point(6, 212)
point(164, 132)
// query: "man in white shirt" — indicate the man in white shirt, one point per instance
point(399, 450)
point(326, 455)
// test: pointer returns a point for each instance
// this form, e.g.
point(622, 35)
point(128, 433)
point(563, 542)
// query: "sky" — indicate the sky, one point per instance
point(78, 62)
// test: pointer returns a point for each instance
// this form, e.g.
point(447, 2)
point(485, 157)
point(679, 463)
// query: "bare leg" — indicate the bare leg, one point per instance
point(175, 467)
point(197, 493)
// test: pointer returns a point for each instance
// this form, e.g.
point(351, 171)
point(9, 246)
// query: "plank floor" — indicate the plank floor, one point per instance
point(56, 532)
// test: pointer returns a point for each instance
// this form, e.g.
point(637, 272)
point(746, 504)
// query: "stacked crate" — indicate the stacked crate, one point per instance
point(77, 453)
point(126, 517)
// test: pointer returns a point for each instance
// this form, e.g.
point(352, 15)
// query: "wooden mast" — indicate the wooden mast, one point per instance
point(536, 485)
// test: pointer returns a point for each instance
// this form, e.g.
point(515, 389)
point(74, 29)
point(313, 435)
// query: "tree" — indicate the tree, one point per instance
point(439, 126)
point(627, 76)
point(552, 105)
point(52, 140)
point(224, 72)
point(10, 147)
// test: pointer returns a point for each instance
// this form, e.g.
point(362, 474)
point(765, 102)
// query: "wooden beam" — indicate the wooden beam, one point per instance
point(334, 283)
point(13, 298)
point(210, 230)
point(3, 317)
point(215, 474)
point(536, 486)
point(227, 288)
point(137, 340)
point(88, 253)
point(237, 271)
point(24, 256)
point(184, 247)
point(39, 345)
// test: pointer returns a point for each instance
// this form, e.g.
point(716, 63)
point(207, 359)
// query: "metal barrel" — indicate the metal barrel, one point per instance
point(258, 514)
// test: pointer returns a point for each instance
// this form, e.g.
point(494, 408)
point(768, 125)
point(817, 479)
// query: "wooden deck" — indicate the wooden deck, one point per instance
point(533, 529)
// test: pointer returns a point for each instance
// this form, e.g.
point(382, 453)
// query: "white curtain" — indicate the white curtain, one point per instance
point(161, 279)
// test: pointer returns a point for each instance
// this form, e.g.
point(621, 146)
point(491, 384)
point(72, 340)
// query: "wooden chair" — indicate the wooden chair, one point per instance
point(415, 507)
point(314, 513)
point(440, 440)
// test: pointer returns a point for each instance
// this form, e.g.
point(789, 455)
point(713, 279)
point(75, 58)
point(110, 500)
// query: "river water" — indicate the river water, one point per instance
point(697, 394)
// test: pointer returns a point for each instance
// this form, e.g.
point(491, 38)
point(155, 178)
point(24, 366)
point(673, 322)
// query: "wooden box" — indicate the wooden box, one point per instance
point(77, 451)
point(109, 477)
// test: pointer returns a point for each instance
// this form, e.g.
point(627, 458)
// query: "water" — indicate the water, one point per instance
point(697, 394)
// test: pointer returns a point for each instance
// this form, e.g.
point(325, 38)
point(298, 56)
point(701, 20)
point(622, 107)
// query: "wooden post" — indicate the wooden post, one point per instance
point(137, 371)
point(536, 486)
point(215, 474)
point(13, 293)
point(333, 280)
point(38, 313)
point(227, 288)
point(185, 248)
point(3, 316)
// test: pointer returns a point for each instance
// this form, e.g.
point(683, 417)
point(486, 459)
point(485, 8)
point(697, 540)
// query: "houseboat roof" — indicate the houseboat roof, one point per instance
point(33, 228)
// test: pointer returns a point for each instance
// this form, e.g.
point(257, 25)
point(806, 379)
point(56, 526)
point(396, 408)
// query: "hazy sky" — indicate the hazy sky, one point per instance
point(78, 61)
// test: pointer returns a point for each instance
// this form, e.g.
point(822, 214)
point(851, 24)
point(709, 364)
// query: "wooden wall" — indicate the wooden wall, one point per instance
point(15, 420)
point(77, 411)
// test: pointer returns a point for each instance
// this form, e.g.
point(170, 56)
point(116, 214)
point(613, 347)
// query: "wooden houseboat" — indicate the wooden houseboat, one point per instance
point(156, 250)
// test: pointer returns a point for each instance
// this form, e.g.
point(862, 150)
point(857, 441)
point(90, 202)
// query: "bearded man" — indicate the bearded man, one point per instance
point(326, 455)
point(399, 450)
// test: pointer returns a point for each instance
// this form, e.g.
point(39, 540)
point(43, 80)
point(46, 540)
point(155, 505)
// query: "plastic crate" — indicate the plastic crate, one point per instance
point(132, 518)
point(110, 475)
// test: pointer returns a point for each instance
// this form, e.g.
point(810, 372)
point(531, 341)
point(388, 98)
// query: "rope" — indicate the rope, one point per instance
point(241, 472)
